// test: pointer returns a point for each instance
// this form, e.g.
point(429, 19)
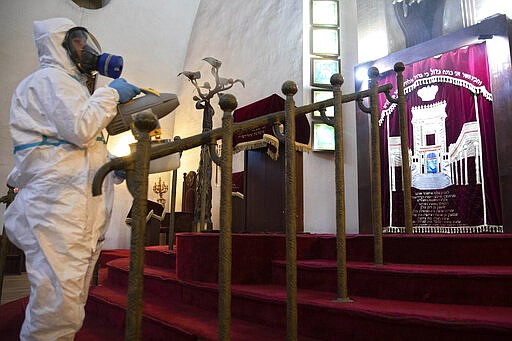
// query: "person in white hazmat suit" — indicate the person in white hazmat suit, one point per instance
point(56, 127)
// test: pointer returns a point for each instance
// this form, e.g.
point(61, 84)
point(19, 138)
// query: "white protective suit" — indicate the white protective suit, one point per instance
point(56, 129)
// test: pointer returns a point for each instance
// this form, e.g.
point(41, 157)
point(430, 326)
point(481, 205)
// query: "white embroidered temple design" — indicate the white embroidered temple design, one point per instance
point(434, 164)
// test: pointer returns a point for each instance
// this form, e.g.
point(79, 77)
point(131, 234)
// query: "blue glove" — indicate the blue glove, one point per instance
point(120, 173)
point(125, 90)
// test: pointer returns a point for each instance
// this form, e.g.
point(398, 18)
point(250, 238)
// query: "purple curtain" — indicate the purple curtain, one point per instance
point(459, 76)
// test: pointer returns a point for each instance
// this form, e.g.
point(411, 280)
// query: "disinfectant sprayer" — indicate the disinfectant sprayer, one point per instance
point(160, 104)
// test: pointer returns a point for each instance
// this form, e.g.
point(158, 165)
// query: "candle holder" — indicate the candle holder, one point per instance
point(160, 188)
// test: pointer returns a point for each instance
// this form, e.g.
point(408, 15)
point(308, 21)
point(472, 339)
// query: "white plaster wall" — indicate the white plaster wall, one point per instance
point(349, 56)
point(486, 8)
point(257, 41)
point(152, 36)
point(262, 42)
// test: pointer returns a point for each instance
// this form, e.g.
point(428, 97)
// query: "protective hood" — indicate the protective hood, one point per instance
point(48, 36)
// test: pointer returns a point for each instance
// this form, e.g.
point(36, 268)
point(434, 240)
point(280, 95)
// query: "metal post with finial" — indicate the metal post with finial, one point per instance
point(341, 245)
point(137, 181)
point(289, 89)
point(373, 73)
point(227, 103)
point(404, 145)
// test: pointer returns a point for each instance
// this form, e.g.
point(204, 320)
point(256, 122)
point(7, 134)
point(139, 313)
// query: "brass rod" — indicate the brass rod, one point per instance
point(228, 104)
point(165, 149)
point(96, 272)
point(138, 186)
point(373, 73)
point(172, 209)
point(363, 107)
point(289, 89)
point(404, 144)
point(204, 183)
point(245, 126)
point(4, 241)
point(214, 155)
point(341, 254)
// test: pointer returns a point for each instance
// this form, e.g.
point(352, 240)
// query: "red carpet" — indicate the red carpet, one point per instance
point(439, 287)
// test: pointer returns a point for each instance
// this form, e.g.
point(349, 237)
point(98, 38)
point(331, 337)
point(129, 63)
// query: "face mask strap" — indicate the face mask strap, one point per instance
point(93, 38)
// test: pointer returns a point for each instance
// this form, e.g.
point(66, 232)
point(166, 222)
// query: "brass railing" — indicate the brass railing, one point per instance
point(136, 166)
point(4, 242)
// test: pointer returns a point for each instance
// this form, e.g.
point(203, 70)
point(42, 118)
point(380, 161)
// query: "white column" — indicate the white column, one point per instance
point(456, 171)
point(392, 170)
point(477, 163)
point(452, 172)
point(439, 162)
point(466, 182)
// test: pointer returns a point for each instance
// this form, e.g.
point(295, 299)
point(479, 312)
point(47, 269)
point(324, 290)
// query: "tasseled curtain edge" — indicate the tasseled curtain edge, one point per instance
point(273, 146)
point(238, 195)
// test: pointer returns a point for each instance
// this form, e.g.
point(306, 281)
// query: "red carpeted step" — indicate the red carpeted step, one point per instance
point(452, 284)
point(97, 328)
point(266, 304)
point(198, 253)
point(454, 249)
point(12, 315)
point(366, 318)
point(160, 256)
point(180, 307)
point(158, 281)
point(108, 255)
point(376, 319)
point(174, 321)
point(108, 304)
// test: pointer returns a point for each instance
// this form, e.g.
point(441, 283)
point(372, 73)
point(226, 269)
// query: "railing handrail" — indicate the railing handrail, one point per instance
point(194, 141)
point(136, 171)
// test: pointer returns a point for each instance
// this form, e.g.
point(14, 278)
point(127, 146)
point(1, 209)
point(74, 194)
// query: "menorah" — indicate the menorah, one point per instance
point(160, 188)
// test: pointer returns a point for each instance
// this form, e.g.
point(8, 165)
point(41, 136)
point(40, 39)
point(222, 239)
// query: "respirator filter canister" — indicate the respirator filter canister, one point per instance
point(110, 65)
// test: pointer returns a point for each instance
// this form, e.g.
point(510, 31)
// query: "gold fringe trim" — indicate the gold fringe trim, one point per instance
point(237, 194)
point(301, 147)
point(272, 144)
point(249, 145)
point(448, 229)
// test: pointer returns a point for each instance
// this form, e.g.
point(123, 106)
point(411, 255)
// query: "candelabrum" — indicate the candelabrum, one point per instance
point(205, 92)
point(160, 188)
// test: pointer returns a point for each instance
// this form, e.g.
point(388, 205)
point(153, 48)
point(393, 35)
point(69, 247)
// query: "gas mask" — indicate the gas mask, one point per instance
point(85, 51)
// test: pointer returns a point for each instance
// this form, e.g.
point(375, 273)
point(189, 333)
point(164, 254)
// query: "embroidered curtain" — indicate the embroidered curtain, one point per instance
point(451, 142)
